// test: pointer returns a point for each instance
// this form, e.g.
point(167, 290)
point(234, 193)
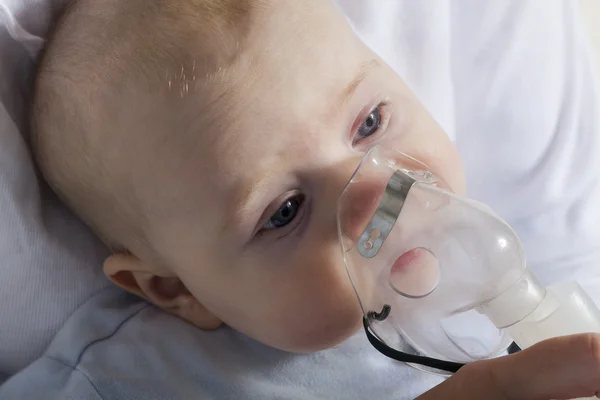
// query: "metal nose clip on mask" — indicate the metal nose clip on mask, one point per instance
point(441, 280)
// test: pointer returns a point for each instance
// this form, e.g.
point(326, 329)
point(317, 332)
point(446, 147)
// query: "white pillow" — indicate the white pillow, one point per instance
point(49, 262)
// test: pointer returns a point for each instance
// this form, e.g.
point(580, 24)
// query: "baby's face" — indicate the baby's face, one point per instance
point(242, 205)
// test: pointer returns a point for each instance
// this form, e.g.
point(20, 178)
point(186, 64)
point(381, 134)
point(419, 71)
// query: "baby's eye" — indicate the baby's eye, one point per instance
point(285, 214)
point(370, 125)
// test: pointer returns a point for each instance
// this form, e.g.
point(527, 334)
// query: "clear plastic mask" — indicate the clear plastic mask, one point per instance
point(442, 281)
point(422, 260)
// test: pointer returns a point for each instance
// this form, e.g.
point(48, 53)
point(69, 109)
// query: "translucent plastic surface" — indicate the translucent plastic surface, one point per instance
point(565, 310)
point(443, 276)
point(440, 258)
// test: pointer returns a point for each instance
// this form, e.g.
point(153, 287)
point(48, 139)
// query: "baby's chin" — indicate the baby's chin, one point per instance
point(318, 336)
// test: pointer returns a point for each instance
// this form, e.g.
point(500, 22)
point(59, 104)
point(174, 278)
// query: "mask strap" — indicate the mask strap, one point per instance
point(384, 349)
point(442, 365)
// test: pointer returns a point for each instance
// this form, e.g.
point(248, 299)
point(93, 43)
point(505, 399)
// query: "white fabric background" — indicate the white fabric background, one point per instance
point(49, 263)
point(590, 11)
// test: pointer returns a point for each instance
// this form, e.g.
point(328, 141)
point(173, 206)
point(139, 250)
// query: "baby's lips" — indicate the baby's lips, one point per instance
point(415, 274)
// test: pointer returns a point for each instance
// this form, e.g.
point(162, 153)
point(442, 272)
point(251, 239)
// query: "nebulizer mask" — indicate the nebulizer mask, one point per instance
point(442, 281)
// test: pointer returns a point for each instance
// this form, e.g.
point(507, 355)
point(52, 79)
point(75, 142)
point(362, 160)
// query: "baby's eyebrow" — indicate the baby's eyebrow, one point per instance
point(362, 73)
point(245, 201)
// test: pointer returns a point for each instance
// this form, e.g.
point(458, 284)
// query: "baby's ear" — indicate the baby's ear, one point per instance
point(166, 292)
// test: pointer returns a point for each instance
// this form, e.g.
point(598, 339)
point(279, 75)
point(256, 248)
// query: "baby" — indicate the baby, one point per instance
point(207, 142)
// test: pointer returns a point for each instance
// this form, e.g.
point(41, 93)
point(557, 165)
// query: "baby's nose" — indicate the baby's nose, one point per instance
point(358, 202)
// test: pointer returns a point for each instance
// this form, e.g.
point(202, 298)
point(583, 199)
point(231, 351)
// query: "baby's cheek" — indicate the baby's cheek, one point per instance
point(321, 309)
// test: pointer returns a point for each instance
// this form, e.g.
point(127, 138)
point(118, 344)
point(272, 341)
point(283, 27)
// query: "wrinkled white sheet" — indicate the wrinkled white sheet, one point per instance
point(49, 263)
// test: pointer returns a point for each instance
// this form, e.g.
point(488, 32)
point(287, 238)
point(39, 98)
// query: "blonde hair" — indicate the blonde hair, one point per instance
point(102, 57)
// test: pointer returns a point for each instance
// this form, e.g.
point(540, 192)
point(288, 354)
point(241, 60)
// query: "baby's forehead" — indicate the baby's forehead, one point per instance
point(252, 87)
point(291, 75)
point(270, 112)
point(238, 121)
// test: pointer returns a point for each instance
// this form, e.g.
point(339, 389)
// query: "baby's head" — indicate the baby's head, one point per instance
point(208, 141)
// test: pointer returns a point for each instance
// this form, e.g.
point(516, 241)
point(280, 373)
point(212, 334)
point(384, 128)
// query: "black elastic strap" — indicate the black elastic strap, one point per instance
point(397, 355)
point(513, 348)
